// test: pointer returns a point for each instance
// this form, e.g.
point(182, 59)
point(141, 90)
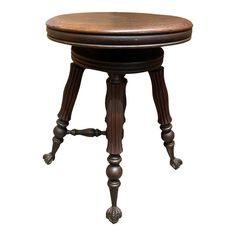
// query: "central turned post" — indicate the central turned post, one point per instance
point(115, 106)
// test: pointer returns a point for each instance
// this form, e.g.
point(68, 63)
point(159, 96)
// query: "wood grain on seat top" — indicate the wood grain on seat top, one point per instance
point(118, 30)
point(117, 23)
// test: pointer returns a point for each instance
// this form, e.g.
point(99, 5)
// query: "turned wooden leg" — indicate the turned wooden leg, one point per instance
point(69, 96)
point(115, 106)
point(160, 96)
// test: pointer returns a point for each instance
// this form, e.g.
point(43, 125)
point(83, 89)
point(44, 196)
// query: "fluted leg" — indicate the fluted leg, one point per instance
point(115, 106)
point(69, 96)
point(160, 96)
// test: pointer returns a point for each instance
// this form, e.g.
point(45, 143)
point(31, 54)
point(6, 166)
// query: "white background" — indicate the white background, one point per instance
point(70, 197)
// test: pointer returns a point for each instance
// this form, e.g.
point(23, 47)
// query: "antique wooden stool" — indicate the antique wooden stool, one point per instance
point(119, 44)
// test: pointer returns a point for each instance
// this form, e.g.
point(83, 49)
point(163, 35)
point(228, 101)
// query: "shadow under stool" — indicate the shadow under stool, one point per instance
point(119, 44)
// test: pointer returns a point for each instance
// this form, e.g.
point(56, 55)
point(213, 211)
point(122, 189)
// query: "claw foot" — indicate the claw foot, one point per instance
point(176, 163)
point(49, 158)
point(113, 214)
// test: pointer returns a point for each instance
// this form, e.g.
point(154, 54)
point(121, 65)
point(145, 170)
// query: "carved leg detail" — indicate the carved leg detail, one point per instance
point(168, 136)
point(160, 96)
point(59, 132)
point(114, 172)
point(115, 106)
point(69, 96)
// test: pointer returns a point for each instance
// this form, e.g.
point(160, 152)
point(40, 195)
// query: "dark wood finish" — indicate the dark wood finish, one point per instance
point(87, 132)
point(59, 133)
point(168, 136)
point(114, 172)
point(119, 44)
point(64, 115)
point(115, 106)
point(70, 92)
point(118, 61)
point(160, 96)
point(118, 30)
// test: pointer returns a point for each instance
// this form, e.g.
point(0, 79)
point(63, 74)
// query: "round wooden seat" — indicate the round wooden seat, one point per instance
point(118, 30)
